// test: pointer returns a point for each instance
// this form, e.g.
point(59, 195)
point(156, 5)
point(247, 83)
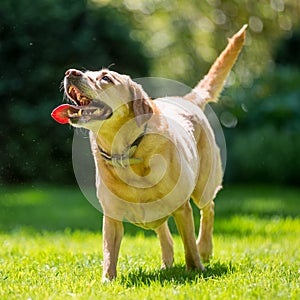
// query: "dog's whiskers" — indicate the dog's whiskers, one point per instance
point(61, 88)
point(65, 98)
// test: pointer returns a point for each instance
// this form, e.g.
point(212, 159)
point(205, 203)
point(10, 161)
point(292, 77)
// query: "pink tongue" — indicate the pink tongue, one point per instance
point(60, 114)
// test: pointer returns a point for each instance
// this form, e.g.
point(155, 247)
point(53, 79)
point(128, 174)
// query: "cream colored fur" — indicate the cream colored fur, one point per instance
point(143, 193)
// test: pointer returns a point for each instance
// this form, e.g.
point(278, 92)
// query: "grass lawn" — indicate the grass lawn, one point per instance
point(50, 248)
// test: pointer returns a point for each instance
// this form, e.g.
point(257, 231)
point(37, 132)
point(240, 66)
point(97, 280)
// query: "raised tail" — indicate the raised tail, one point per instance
point(210, 87)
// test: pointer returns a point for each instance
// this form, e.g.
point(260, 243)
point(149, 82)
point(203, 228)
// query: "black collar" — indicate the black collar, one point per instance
point(126, 159)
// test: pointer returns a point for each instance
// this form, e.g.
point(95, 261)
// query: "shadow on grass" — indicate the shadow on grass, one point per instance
point(176, 275)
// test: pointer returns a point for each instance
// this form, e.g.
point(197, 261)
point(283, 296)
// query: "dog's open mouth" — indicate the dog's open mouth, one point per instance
point(84, 109)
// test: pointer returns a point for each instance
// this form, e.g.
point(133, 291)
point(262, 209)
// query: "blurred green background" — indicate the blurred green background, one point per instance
point(260, 108)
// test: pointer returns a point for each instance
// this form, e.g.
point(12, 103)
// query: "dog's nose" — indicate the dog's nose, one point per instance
point(73, 72)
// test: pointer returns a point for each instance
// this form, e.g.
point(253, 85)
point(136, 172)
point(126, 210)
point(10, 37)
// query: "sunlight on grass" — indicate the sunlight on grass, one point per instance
point(25, 197)
point(50, 248)
point(65, 265)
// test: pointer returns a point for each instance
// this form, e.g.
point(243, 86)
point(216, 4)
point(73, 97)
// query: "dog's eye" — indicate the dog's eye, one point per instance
point(106, 79)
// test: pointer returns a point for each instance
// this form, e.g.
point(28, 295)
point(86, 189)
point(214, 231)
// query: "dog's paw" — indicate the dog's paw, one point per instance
point(107, 278)
point(205, 257)
point(167, 263)
point(195, 266)
point(205, 248)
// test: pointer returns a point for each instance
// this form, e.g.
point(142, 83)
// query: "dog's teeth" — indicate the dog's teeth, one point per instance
point(97, 112)
point(70, 89)
point(79, 112)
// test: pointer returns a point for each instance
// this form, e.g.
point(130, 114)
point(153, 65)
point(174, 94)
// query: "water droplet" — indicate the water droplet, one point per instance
point(228, 119)
point(244, 107)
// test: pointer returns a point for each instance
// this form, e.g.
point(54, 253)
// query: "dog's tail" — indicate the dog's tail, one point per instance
point(210, 87)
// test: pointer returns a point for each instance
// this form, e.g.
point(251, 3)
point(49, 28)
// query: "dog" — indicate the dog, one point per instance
point(151, 156)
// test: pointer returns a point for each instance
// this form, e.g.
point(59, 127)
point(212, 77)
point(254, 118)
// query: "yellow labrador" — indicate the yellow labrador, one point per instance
point(151, 156)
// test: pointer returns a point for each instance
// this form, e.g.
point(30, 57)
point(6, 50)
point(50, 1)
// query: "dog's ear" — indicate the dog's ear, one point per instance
point(142, 106)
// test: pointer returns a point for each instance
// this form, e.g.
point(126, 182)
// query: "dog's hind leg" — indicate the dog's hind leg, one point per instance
point(166, 244)
point(113, 231)
point(204, 241)
point(185, 223)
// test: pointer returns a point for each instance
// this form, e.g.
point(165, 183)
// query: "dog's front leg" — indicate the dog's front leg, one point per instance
point(112, 235)
point(185, 223)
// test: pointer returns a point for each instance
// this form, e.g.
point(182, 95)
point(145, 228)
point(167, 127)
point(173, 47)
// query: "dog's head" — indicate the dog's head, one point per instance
point(99, 96)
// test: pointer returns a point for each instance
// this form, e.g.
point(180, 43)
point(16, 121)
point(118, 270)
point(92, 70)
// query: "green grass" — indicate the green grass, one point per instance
point(50, 248)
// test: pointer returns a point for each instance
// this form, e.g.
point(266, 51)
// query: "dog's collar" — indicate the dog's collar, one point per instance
point(126, 159)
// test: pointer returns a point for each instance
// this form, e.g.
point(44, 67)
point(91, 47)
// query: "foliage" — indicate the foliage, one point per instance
point(262, 94)
point(174, 39)
point(288, 52)
point(256, 252)
point(184, 37)
point(265, 144)
point(38, 43)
